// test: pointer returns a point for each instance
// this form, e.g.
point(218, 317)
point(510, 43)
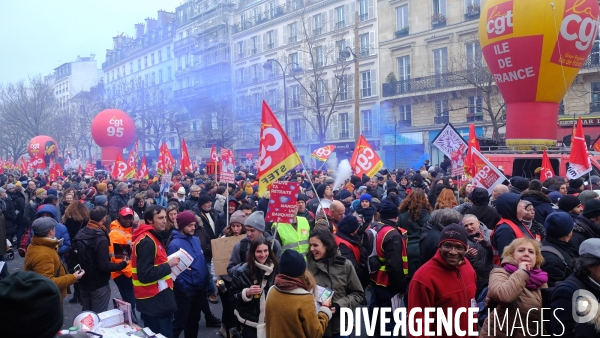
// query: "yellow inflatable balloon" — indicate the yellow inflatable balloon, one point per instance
point(534, 49)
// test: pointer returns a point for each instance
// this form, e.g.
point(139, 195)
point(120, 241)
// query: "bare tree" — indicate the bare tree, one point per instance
point(84, 108)
point(219, 125)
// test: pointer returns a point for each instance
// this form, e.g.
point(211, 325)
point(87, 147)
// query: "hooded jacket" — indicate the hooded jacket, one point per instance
point(119, 235)
point(503, 235)
point(19, 201)
point(584, 228)
point(541, 203)
point(102, 263)
point(61, 230)
point(195, 278)
point(115, 203)
point(437, 284)
point(562, 298)
point(484, 213)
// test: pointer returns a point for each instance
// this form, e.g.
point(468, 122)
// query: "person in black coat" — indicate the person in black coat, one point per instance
point(348, 243)
point(585, 276)
point(511, 208)
point(559, 229)
point(587, 224)
point(118, 200)
point(541, 202)
point(480, 250)
point(18, 199)
point(213, 221)
point(487, 215)
point(430, 233)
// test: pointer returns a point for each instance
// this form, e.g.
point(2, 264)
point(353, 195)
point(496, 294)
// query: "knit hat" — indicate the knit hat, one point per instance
point(185, 218)
point(590, 246)
point(204, 198)
point(521, 183)
point(555, 196)
point(90, 192)
point(302, 197)
point(388, 210)
point(238, 217)
point(30, 306)
point(454, 233)
point(39, 192)
point(248, 189)
point(122, 186)
point(321, 190)
point(366, 197)
point(595, 179)
point(100, 200)
point(343, 194)
point(392, 186)
point(46, 209)
point(348, 224)
point(558, 224)
point(591, 209)
point(361, 189)
point(42, 225)
point(181, 191)
point(11, 186)
point(101, 187)
point(257, 221)
point(18, 184)
point(568, 203)
point(576, 183)
point(2, 190)
point(53, 191)
point(292, 263)
point(587, 195)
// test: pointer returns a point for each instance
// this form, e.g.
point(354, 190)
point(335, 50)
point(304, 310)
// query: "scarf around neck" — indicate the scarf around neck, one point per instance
point(287, 283)
point(268, 269)
point(537, 277)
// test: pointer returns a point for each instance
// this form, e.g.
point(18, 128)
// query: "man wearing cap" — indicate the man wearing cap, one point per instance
point(303, 212)
point(190, 285)
point(587, 224)
point(345, 197)
point(120, 235)
point(447, 281)
point(558, 253)
point(118, 200)
point(42, 256)
point(94, 289)
point(255, 227)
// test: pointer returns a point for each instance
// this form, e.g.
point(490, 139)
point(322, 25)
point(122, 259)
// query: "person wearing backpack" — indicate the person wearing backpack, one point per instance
point(90, 251)
point(558, 253)
point(42, 256)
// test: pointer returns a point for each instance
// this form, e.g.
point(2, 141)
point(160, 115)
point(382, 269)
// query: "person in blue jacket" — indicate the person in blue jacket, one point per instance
point(49, 210)
point(190, 285)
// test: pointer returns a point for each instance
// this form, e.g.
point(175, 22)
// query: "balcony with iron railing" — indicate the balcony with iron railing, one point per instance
point(179, 44)
point(441, 81)
point(289, 7)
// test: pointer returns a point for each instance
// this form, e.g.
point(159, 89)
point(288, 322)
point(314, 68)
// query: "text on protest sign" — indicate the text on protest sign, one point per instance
point(282, 205)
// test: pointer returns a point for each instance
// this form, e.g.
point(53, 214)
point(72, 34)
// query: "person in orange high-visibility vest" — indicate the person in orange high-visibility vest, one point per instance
point(511, 209)
point(151, 273)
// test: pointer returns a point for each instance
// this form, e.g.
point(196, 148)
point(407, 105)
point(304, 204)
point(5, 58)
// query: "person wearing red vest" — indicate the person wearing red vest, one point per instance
point(390, 280)
point(150, 273)
point(511, 209)
point(348, 241)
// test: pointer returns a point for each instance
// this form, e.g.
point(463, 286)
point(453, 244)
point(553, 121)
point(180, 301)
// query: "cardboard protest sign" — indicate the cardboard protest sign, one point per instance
point(221, 251)
point(282, 205)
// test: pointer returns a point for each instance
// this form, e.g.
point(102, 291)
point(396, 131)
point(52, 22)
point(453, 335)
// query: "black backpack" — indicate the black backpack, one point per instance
point(81, 253)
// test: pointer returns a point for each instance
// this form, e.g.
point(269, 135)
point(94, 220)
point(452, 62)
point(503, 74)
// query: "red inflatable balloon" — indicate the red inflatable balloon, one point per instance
point(43, 146)
point(113, 130)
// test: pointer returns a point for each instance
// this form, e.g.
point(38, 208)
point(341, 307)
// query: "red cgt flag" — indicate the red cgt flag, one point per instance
point(277, 154)
point(168, 158)
point(121, 169)
point(185, 165)
point(323, 153)
point(214, 157)
point(364, 159)
point(547, 171)
point(470, 168)
point(579, 160)
point(143, 169)
point(133, 156)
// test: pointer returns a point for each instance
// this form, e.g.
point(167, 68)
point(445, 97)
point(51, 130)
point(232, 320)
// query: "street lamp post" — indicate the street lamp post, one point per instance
point(269, 66)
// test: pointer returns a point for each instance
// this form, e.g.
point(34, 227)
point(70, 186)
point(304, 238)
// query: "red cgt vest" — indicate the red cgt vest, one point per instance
point(354, 248)
point(515, 229)
point(381, 277)
point(148, 290)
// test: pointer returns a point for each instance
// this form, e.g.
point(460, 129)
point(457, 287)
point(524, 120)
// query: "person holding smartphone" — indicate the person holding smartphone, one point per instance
point(479, 252)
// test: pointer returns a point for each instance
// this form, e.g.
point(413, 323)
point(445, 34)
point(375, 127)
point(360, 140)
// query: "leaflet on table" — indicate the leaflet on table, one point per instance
point(185, 260)
point(125, 307)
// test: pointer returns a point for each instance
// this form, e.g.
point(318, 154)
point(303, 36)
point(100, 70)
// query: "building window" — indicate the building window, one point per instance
point(168, 52)
point(296, 130)
point(367, 123)
point(293, 61)
point(405, 115)
point(364, 9)
point(319, 56)
point(254, 41)
point(169, 73)
point(293, 29)
point(474, 59)
point(475, 111)
point(131, 68)
point(152, 58)
point(160, 78)
point(340, 16)
point(438, 19)
point(270, 40)
point(343, 89)
point(318, 24)
point(403, 68)
point(595, 103)
point(364, 45)
point(401, 21)
point(295, 96)
point(366, 83)
point(160, 56)
point(344, 125)
point(472, 8)
point(240, 49)
point(441, 112)
point(255, 73)
point(139, 64)
point(340, 46)
point(440, 60)
point(321, 91)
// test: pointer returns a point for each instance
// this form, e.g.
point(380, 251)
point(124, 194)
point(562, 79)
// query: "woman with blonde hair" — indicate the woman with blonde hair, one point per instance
point(290, 308)
point(515, 288)
point(445, 200)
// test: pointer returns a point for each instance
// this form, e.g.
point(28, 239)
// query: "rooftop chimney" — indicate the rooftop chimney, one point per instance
point(139, 30)
point(151, 24)
point(164, 18)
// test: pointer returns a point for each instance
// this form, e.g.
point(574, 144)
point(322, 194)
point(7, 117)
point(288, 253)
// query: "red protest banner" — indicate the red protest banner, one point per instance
point(227, 167)
point(282, 205)
point(486, 176)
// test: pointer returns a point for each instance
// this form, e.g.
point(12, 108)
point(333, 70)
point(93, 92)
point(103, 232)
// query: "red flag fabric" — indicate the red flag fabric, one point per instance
point(121, 169)
point(89, 169)
point(227, 166)
point(36, 163)
point(23, 166)
point(323, 153)
point(79, 170)
point(596, 145)
point(161, 167)
point(364, 159)
point(277, 154)
point(547, 171)
point(213, 154)
point(579, 159)
point(143, 173)
point(133, 155)
point(470, 168)
point(185, 165)
point(168, 158)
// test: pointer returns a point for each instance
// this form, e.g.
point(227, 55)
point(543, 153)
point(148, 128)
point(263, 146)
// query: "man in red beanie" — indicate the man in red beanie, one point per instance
point(447, 281)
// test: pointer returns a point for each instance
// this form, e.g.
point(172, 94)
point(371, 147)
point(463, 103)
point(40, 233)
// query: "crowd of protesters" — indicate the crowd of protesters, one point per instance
point(406, 238)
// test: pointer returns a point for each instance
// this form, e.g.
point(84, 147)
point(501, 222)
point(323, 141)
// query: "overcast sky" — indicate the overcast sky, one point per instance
point(37, 36)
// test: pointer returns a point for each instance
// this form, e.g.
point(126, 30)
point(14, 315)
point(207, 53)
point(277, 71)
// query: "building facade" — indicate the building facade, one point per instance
point(73, 77)
point(299, 42)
